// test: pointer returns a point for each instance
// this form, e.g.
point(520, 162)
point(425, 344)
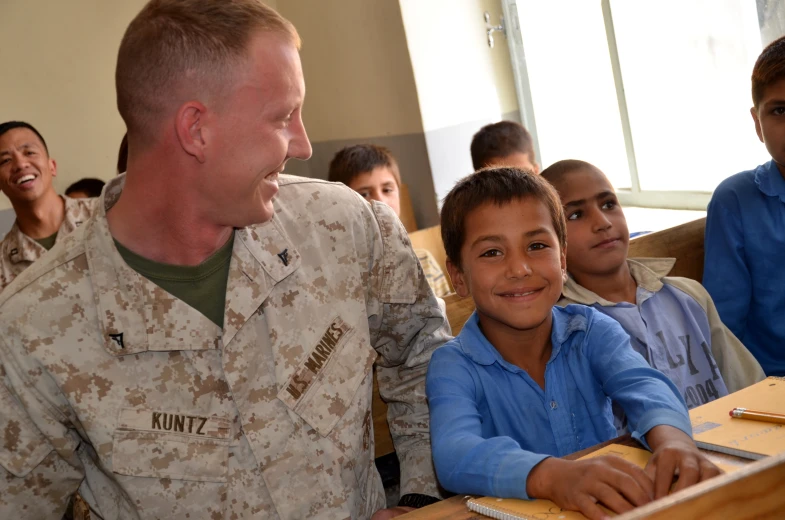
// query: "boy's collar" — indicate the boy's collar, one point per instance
point(647, 273)
point(770, 181)
point(476, 346)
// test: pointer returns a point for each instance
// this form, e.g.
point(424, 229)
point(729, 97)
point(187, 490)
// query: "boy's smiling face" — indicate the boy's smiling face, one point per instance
point(512, 265)
point(770, 122)
point(597, 231)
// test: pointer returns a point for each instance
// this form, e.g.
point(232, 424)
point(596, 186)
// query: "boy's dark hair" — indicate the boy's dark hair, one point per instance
point(10, 125)
point(92, 187)
point(498, 186)
point(500, 140)
point(769, 69)
point(556, 171)
point(355, 160)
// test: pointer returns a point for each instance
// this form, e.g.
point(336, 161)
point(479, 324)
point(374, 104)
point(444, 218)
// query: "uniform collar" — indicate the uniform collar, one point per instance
point(647, 273)
point(770, 181)
point(138, 316)
point(22, 248)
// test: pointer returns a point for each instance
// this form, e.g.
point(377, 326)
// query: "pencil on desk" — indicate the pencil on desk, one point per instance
point(743, 413)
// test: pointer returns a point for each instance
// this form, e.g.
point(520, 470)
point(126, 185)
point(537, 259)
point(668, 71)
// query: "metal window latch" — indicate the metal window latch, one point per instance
point(490, 29)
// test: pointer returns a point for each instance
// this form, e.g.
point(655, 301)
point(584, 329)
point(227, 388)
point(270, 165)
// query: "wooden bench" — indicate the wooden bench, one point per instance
point(684, 242)
point(407, 210)
point(430, 239)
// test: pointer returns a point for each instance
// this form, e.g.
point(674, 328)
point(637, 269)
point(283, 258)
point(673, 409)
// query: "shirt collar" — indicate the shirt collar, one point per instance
point(22, 248)
point(647, 273)
point(129, 303)
point(476, 346)
point(770, 181)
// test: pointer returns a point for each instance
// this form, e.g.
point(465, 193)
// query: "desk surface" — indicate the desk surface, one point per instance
point(455, 508)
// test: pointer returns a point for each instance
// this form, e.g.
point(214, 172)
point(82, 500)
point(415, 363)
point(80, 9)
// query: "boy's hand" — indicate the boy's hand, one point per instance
point(675, 454)
point(579, 485)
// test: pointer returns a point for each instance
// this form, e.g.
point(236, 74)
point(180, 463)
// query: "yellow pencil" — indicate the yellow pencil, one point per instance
point(752, 415)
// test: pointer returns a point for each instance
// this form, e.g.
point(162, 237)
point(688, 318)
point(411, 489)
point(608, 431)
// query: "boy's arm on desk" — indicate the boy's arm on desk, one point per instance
point(455, 508)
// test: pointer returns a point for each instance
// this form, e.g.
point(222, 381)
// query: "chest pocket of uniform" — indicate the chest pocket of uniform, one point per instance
point(323, 387)
point(166, 444)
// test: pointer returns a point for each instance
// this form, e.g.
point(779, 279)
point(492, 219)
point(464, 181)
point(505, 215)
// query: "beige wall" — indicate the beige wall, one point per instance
point(462, 84)
point(459, 78)
point(58, 59)
point(358, 74)
point(361, 89)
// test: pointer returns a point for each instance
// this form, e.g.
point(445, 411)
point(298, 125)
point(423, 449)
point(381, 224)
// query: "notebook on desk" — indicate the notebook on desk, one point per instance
point(514, 509)
point(714, 429)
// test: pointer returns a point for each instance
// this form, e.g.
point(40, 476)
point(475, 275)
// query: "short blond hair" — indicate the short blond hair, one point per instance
point(171, 43)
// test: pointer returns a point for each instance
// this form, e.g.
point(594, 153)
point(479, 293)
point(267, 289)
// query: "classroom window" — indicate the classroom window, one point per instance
point(656, 93)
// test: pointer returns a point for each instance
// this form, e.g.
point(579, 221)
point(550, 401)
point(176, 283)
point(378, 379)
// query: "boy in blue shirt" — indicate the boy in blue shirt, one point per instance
point(526, 382)
point(672, 322)
point(745, 228)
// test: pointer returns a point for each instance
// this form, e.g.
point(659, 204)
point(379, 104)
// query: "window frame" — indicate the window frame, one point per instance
point(633, 196)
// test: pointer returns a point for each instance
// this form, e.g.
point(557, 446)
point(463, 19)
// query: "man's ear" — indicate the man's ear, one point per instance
point(458, 279)
point(189, 126)
point(755, 118)
point(53, 167)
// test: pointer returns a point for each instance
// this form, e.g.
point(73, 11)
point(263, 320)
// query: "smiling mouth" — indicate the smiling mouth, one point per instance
point(520, 294)
point(25, 179)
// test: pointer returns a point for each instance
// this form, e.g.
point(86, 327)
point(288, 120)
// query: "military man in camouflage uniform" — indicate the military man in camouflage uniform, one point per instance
point(199, 349)
point(42, 216)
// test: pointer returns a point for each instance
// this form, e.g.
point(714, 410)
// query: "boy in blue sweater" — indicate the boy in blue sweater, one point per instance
point(745, 228)
point(526, 382)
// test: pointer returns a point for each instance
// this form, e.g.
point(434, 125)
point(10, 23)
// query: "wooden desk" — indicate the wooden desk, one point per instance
point(455, 508)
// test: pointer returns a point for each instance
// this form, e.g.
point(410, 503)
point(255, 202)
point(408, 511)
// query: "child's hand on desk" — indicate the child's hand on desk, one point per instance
point(676, 455)
point(578, 485)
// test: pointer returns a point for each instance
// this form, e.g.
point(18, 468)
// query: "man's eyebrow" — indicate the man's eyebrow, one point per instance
point(23, 146)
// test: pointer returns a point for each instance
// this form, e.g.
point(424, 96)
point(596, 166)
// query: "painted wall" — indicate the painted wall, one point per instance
point(360, 89)
point(462, 84)
point(59, 60)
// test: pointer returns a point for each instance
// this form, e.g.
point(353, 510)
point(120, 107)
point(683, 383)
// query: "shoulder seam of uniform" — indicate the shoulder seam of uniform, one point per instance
point(288, 180)
point(49, 266)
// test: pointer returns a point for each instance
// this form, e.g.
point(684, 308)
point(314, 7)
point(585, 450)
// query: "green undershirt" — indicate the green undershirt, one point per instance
point(202, 286)
point(47, 242)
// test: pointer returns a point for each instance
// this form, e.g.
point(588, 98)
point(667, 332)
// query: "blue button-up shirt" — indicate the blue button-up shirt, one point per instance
point(744, 269)
point(491, 423)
